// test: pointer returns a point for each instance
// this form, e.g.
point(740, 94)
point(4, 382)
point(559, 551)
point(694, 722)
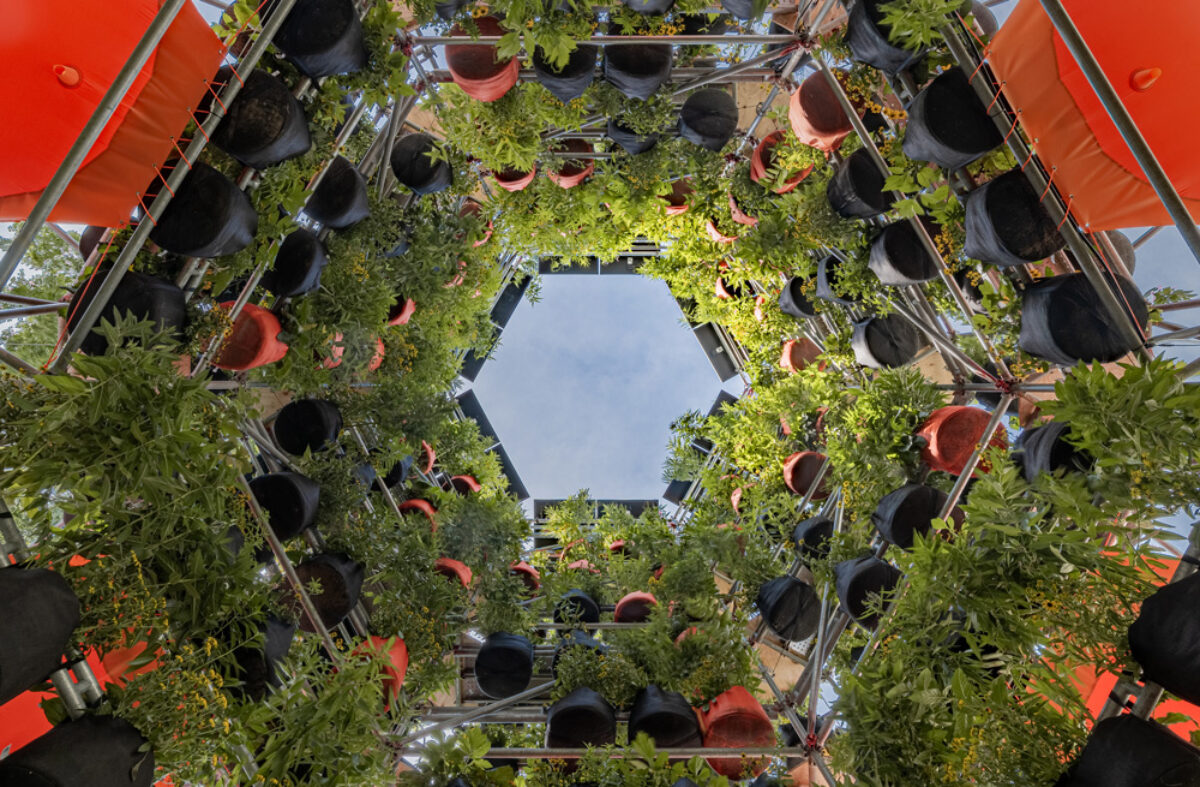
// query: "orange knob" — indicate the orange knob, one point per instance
point(1143, 79)
point(68, 76)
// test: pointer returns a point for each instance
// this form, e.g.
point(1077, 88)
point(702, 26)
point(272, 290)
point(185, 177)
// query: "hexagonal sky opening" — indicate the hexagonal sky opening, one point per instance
point(582, 386)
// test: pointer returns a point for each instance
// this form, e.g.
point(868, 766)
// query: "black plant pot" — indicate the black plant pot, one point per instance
point(1007, 225)
point(971, 291)
point(39, 611)
point(340, 199)
point(856, 190)
point(289, 500)
point(397, 475)
point(885, 342)
point(582, 718)
point(1165, 638)
point(869, 41)
point(1125, 751)
point(576, 639)
point(907, 511)
point(708, 117)
point(948, 124)
point(861, 579)
point(298, 265)
point(96, 751)
point(631, 142)
point(145, 297)
point(307, 425)
point(740, 9)
point(209, 216)
point(1064, 321)
point(702, 25)
point(504, 665)
point(575, 606)
point(415, 169)
point(573, 79)
point(265, 124)
point(828, 277)
point(322, 37)
point(790, 608)
point(793, 302)
point(899, 257)
point(666, 717)
point(258, 663)
point(812, 538)
point(637, 70)
point(89, 239)
point(450, 10)
point(341, 584)
point(1045, 449)
point(649, 6)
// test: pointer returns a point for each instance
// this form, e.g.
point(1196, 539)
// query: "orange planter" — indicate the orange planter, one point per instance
point(952, 434)
point(634, 607)
point(528, 574)
point(735, 720)
point(817, 116)
point(800, 470)
point(760, 162)
point(572, 173)
point(402, 311)
point(396, 666)
point(475, 68)
point(464, 484)
point(715, 235)
point(677, 200)
point(430, 457)
point(798, 354)
point(740, 216)
point(513, 180)
point(423, 506)
point(454, 569)
point(253, 342)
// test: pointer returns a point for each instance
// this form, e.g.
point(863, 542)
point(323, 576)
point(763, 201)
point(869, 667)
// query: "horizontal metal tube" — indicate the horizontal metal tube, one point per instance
point(755, 38)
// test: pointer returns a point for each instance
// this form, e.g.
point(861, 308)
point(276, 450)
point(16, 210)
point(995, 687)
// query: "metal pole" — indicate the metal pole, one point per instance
point(18, 363)
point(752, 38)
point(29, 311)
point(25, 300)
point(87, 137)
point(688, 751)
point(1145, 236)
point(477, 713)
point(1124, 122)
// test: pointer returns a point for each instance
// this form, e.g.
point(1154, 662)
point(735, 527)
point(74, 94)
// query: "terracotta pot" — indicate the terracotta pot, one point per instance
point(528, 574)
point(402, 311)
point(395, 667)
point(514, 180)
point(677, 200)
point(572, 172)
point(430, 457)
point(739, 215)
point(475, 68)
point(253, 342)
point(760, 162)
point(816, 115)
point(799, 354)
point(800, 470)
point(422, 506)
point(634, 607)
point(735, 720)
point(715, 235)
point(464, 484)
point(455, 570)
point(472, 207)
point(951, 434)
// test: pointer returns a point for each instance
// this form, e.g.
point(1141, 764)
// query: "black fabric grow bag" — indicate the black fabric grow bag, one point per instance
point(812, 537)
point(581, 718)
point(899, 257)
point(258, 662)
point(397, 475)
point(209, 216)
point(265, 124)
point(790, 608)
point(289, 500)
point(415, 169)
point(1064, 321)
point(869, 43)
point(637, 70)
point(89, 239)
point(885, 342)
point(631, 142)
point(702, 25)
point(740, 9)
point(504, 665)
point(307, 425)
point(792, 300)
point(856, 189)
point(577, 607)
point(576, 639)
point(649, 6)
point(39, 611)
point(449, 10)
point(1045, 449)
point(341, 584)
point(1165, 638)
point(93, 751)
point(907, 511)
point(1007, 224)
point(569, 83)
point(145, 297)
point(827, 282)
point(666, 717)
point(1125, 751)
point(859, 580)
point(948, 124)
point(340, 199)
point(298, 265)
point(322, 37)
point(708, 117)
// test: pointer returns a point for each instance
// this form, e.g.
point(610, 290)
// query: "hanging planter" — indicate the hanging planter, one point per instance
point(799, 354)
point(97, 751)
point(575, 606)
point(727, 290)
point(708, 118)
point(145, 297)
point(637, 70)
point(39, 611)
point(761, 160)
point(666, 718)
point(423, 507)
point(816, 115)
point(1046, 449)
point(208, 216)
point(475, 67)
point(677, 200)
point(576, 639)
point(341, 584)
point(514, 180)
point(1165, 638)
point(631, 142)
point(739, 215)
point(322, 37)
point(340, 199)
point(856, 189)
point(794, 302)
point(1127, 751)
point(414, 168)
point(289, 500)
point(951, 434)
point(861, 580)
point(402, 311)
point(571, 172)
point(870, 40)
point(800, 471)
point(265, 124)
point(397, 475)
point(735, 720)
point(307, 425)
point(1007, 224)
point(394, 653)
point(1064, 321)
point(828, 282)
point(454, 570)
point(258, 664)
point(252, 342)
point(527, 574)
point(428, 457)
point(582, 718)
point(715, 235)
point(472, 207)
point(504, 665)
point(298, 265)
point(812, 538)
point(464, 484)
point(909, 510)
point(634, 607)
point(948, 124)
point(789, 607)
point(569, 82)
point(885, 342)
point(898, 256)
